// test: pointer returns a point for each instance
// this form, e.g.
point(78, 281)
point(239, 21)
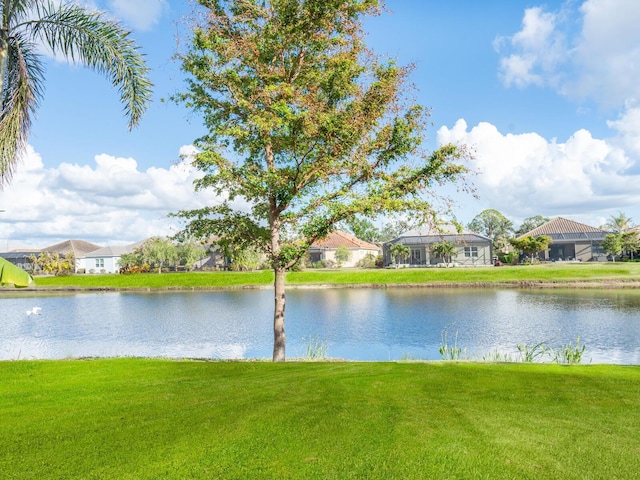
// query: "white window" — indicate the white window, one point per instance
point(471, 252)
point(99, 262)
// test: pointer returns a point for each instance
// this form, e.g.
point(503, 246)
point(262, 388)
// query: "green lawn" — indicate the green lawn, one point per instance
point(554, 273)
point(154, 419)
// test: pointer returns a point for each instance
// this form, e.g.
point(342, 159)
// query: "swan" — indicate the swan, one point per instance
point(34, 311)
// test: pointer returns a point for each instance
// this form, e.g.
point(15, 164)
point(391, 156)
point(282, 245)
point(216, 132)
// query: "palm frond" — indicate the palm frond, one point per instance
point(21, 96)
point(101, 44)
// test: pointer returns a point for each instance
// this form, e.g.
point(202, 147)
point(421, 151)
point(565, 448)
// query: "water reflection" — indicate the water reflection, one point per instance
point(357, 324)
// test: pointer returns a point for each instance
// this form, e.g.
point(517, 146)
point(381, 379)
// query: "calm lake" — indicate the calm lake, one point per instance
point(355, 324)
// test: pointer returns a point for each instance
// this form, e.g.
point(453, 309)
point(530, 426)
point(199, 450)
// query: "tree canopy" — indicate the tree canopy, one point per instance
point(306, 128)
point(530, 223)
point(494, 225)
point(612, 244)
point(531, 245)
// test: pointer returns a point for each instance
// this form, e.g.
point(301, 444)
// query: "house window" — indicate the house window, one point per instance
point(99, 262)
point(470, 252)
point(416, 257)
point(597, 249)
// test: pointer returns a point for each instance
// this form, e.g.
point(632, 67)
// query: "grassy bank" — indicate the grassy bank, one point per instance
point(556, 273)
point(143, 419)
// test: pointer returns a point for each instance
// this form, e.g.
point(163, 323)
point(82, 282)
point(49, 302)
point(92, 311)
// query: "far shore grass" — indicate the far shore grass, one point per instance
point(554, 274)
point(163, 419)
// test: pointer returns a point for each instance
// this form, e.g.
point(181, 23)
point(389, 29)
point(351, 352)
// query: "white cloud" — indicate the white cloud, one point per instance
point(538, 49)
point(600, 59)
point(587, 50)
point(525, 174)
point(111, 202)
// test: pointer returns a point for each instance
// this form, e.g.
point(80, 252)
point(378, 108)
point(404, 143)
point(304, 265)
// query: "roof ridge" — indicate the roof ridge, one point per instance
point(561, 225)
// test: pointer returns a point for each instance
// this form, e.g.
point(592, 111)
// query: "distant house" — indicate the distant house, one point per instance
point(104, 259)
point(20, 258)
point(326, 248)
point(213, 260)
point(571, 240)
point(471, 248)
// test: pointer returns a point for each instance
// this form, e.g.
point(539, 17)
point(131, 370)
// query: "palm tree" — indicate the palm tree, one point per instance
point(618, 224)
point(80, 35)
point(446, 250)
point(399, 250)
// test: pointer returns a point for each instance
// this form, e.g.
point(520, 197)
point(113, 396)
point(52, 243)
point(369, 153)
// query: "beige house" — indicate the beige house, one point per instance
point(326, 248)
point(571, 241)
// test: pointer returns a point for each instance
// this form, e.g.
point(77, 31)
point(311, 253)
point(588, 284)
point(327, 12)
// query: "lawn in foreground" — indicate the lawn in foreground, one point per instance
point(143, 419)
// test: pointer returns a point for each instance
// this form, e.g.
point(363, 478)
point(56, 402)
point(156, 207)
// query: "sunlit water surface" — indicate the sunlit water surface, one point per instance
point(355, 324)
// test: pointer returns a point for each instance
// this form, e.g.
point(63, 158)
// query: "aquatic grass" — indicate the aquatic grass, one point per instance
point(315, 348)
point(532, 353)
point(148, 419)
point(569, 354)
point(496, 356)
point(450, 352)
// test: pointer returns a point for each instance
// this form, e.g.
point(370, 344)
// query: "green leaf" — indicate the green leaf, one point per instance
point(10, 274)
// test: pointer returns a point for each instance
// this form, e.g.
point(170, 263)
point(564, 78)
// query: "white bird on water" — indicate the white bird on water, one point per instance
point(34, 311)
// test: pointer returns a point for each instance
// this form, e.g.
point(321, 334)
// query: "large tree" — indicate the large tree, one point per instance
point(159, 252)
point(494, 225)
point(530, 223)
point(305, 126)
point(82, 36)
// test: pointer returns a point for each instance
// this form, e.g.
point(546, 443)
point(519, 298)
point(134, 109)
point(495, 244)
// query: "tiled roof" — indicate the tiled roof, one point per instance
point(562, 229)
point(78, 247)
point(337, 239)
point(562, 225)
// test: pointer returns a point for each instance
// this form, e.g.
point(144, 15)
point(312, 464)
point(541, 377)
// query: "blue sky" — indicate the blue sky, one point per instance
point(545, 93)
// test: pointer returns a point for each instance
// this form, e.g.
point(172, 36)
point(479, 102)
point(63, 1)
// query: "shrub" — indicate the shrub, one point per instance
point(368, 261)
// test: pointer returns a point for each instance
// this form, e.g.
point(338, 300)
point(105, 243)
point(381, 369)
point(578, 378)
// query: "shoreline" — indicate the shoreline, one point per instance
point(526, 284)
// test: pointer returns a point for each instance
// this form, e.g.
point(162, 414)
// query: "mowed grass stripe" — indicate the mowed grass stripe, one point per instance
point(550, 273)
point(134, 418)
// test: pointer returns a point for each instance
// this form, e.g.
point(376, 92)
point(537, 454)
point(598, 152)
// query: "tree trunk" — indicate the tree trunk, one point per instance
point(279, 268)
point(278, 315)
point(4, 59)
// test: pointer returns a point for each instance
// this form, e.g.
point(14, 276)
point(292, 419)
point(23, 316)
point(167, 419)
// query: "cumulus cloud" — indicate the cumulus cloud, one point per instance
point(110, 202)
point(600, 59)
point(537, 50)
point(584, 51)
point(525, 174)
